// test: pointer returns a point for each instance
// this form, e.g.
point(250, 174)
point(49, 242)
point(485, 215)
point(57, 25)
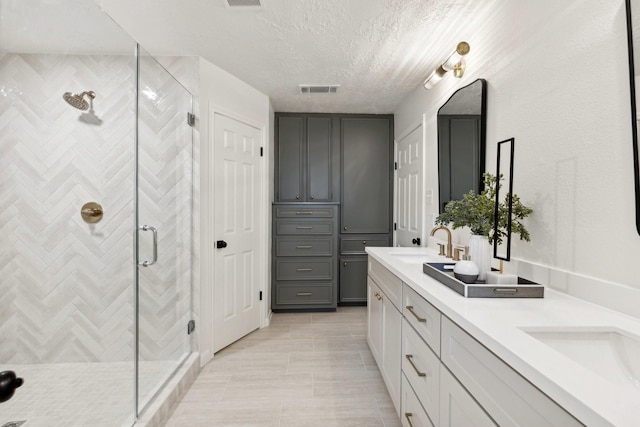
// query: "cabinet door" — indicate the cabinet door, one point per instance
point(319, 173)
point(353, 279)
point(290, 159)
point(457, 407)
point(374, 317)
point(391, 350)
point(366, 173)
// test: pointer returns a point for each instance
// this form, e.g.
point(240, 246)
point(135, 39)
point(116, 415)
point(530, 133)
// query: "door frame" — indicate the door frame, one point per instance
point(207, 241)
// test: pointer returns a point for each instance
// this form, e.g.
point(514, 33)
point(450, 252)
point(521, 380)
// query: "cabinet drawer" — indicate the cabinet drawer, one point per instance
point(304, 247)
point(304, 227)
point(301, 269)
point(353, 246)
point(422, 369)
point(304, 212)
point(387, 281)
point(291, 294)
point(424, 317)
point(412, 414)
point(509, 398)
point(457, 407)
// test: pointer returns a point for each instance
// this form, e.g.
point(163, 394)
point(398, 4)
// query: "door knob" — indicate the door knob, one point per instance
point(8, 384)
point(416, 241)
point(220, 244)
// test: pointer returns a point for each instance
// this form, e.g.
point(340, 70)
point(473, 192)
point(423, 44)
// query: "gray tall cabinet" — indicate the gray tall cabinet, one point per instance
point(333, 192)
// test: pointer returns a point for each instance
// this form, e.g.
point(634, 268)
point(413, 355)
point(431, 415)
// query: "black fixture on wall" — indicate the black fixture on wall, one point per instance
point(634, 118)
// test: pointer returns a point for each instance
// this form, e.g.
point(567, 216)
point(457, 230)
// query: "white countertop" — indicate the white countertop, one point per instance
point(496, 322)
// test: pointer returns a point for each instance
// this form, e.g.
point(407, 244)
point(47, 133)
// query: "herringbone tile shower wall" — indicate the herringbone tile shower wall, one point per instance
point(66, 287)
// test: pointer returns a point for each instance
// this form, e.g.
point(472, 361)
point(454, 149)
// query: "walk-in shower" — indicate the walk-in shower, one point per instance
point(94, 332)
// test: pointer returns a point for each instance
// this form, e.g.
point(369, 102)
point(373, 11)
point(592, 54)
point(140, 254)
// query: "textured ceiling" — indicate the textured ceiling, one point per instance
point(378, 51)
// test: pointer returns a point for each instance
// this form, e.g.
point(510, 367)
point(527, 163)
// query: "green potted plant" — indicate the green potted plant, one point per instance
point(477, 211)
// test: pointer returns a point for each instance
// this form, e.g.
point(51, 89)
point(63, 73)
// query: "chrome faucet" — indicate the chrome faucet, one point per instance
point(449, 245)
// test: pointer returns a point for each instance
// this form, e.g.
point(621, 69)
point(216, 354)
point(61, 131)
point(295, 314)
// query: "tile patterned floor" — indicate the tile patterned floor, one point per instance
point(306, 369)
point(80, 394)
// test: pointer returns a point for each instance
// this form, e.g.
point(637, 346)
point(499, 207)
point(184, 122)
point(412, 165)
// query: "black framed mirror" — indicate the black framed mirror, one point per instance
point(633, 16)
point(461, 142)
point(504, 190)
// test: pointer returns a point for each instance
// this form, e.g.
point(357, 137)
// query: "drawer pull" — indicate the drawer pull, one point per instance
point(408, 416)
point(303, 228)
point(415, 368)
point(304, 212)
point(304, 294)
point(378, 296)
point(304, 269)
point(418, 318)
point(304, 247)
point(505, 291)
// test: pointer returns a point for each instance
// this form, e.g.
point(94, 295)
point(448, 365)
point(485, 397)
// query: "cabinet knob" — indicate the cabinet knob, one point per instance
point(297, 196)
point(312, 197)
point(345, 227)
point(344, 263)
point(364, 242)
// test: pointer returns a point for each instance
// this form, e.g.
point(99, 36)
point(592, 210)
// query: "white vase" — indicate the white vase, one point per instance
point(480, 252)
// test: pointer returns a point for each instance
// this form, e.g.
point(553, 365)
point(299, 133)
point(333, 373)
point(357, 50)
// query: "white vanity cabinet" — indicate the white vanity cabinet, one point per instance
point(508, 397)
point(384, 328)
point(441, 376)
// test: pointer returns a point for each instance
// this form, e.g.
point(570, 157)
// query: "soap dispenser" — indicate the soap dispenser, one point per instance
point(466, 270)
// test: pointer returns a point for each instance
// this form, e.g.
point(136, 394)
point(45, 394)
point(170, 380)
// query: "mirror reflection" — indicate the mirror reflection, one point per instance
point(461, 142)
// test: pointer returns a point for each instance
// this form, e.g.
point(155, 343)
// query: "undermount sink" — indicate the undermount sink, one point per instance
point(610, 353)
point(411, 257)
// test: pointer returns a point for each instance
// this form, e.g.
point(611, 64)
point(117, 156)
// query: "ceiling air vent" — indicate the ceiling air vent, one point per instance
point(243, 4)
point(318, 88)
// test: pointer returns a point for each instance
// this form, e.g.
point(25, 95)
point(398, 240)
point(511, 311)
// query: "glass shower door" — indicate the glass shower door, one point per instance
point(164, 213)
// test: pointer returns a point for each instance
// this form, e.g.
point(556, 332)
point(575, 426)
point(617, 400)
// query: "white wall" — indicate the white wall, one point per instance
point(558, 82)
point(221, 92)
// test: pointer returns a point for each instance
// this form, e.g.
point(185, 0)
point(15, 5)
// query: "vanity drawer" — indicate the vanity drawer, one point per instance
point(507, 397)
point(387, 281)
point(304, 227)
point(353, 246)
point(302, 269)
point(304, 212)
point(422, 369)
point(308, 294)
point(424, 317)
point(412, 414)
point(304, 247)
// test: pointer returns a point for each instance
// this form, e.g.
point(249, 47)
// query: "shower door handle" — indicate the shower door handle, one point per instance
point(155, 245)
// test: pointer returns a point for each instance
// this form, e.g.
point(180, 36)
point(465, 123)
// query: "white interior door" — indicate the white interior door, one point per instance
point(237, 172)
point(409, 189)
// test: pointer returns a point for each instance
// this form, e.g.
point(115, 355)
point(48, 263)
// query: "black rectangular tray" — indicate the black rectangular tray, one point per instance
point(523, 289)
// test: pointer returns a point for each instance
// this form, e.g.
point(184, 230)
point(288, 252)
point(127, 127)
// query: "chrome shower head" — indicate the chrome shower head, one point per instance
point(78, 101)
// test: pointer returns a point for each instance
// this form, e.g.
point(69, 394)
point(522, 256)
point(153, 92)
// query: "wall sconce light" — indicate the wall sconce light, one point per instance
point(455, 62)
